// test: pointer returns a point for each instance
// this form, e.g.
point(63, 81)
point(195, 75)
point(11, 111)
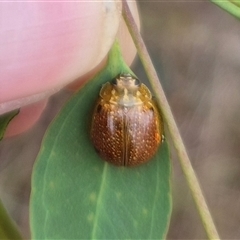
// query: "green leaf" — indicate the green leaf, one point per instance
point(5, 120)
point(8, 229)
point(76, 195)
point(232, 7)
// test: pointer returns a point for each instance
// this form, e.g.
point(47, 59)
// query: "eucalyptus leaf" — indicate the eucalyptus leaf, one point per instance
point(77, 195)
point(5, 120)
point(8, 229)
point(232, 7)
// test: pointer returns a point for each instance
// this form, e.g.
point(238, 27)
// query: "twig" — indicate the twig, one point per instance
point(171, 124)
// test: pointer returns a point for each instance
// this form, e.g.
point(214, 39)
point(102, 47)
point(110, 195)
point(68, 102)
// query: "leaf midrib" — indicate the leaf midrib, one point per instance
point(99, 200)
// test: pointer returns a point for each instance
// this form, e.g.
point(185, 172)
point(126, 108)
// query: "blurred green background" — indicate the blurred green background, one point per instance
point(195, 48)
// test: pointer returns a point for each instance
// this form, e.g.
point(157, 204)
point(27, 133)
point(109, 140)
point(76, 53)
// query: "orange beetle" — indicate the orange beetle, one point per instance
point(127, 127)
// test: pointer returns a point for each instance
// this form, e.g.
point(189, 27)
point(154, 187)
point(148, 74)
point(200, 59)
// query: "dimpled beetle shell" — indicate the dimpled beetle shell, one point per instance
point(126, 127)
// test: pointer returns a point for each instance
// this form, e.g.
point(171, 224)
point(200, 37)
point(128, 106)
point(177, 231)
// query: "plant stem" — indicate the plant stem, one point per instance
point(171, 124)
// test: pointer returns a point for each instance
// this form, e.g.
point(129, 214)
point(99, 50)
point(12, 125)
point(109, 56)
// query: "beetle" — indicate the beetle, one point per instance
point(127, 126)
